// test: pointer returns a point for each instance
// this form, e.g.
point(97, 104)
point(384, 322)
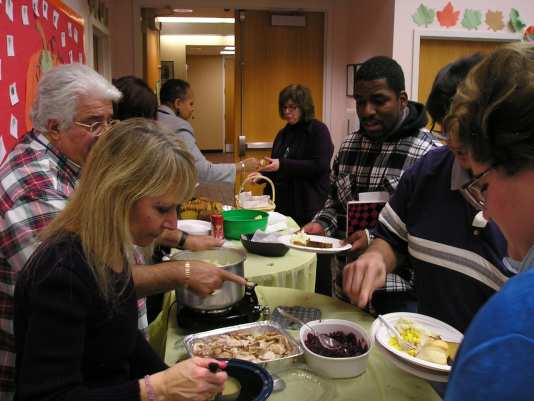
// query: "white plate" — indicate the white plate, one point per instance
point(194, 227)
point(414, 369)
point(336, 244)
point(383, 336)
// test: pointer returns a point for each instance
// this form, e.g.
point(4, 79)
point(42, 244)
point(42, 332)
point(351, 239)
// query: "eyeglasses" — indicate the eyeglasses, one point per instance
point(97, 128)
point(475, 189)
point(290, 107)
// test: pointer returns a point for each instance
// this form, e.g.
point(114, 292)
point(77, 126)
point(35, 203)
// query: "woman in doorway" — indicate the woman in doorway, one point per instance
point(300, 160)
point(177, 106)
point(75, 303)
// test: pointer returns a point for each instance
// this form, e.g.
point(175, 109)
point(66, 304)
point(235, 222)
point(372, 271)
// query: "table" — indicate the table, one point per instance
point(296, 269)
point(382, 381)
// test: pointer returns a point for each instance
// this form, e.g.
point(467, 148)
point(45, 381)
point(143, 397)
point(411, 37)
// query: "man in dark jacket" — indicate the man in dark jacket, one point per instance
point(390, 140)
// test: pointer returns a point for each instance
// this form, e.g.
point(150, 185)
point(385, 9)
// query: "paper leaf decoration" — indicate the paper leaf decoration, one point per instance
point(494, 20)
point(423, 16)
point(515, 22)
point(472, 19)
point(528, 36)
point(448, 17)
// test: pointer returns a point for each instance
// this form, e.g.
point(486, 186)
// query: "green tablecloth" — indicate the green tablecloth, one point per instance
point(296, 269)
point(382, 381)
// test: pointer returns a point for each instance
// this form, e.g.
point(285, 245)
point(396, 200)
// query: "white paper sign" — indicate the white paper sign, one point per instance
point(35, 6)
point(69, 29)
point(71, 57)
point(55, 18)
point(24, 14)
point(2, 149)
point(10, 46)
point(75, 35)
point(13, 95)
point(45, 9)
point(63, 39)
point(9, 9)
point(13, 127)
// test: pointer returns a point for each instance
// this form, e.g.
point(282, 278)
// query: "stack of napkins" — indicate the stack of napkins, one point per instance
point(249, 201)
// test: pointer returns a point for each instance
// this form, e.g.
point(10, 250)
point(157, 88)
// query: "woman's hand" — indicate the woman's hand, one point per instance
point(202, 242)
point(206, 278)
point(274, 165)
point(189, 380)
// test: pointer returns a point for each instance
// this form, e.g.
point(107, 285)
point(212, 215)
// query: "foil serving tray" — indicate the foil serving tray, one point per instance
point(255, 328)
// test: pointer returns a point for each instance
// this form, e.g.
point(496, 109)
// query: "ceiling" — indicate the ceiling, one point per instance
point(203, 50)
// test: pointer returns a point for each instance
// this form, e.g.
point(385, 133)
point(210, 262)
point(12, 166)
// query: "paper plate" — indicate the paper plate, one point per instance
point(383, 335)
point(194, 227)
point(336, 244)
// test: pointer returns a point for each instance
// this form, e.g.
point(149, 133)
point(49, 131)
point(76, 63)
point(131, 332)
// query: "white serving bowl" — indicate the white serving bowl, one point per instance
point(335, 368)
point(194, 227)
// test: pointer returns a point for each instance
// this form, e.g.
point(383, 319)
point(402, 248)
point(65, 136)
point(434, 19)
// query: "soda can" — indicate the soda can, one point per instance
point(217, 226)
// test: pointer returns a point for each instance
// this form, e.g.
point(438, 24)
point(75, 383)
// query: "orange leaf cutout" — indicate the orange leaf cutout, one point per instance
point(494, 19)
point(448, 17)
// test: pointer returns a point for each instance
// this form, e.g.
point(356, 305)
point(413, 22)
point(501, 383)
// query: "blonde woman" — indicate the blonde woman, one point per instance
point(75, 302)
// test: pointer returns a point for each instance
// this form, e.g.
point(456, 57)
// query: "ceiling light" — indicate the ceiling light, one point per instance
point(197, 20)
point(227, 52)
point(182, 10)
point(229, 47)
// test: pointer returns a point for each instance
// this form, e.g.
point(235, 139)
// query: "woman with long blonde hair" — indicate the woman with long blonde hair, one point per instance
point(75, 310)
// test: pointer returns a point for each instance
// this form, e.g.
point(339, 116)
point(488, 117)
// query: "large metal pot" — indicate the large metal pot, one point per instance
point(230, 293)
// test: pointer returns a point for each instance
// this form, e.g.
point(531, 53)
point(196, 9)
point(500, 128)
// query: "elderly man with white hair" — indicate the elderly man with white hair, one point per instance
point(72, 109)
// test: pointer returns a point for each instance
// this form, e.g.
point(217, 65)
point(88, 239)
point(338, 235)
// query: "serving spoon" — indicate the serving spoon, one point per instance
point(325, 340)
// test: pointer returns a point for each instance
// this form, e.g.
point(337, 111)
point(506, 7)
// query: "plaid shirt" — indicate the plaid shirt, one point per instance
point(362, 165)
point(35, 185)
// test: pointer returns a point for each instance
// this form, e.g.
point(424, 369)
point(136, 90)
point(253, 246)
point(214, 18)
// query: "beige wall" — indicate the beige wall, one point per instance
point(174, 50)
point(205, 74)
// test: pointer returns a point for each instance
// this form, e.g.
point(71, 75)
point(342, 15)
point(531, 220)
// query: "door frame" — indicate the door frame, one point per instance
point(419, 34)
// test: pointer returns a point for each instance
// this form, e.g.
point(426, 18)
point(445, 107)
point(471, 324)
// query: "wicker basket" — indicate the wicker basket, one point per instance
point(271, 205)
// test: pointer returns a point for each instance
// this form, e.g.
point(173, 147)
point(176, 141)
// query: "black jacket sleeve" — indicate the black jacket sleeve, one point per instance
point(50, 360)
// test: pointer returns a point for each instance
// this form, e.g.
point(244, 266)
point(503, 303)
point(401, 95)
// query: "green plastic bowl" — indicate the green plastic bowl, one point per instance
point(243, 221)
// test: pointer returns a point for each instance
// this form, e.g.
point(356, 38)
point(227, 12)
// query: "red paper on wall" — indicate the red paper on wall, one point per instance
point(35, 35)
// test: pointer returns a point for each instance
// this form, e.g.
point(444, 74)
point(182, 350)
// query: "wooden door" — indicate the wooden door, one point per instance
point(229, 99)
point(205, 75)
point(152, 65)
point(436, 53)
point(268, 58)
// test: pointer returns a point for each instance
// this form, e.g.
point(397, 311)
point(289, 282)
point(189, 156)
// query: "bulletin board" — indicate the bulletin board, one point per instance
point(35, 35)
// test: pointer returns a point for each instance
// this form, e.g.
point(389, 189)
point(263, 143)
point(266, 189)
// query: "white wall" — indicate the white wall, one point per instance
point(403, 43)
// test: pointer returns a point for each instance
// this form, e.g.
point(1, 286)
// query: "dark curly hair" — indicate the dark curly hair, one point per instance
point(301, 96)
point(380, 67)
point(173, 89)
point(446, 83)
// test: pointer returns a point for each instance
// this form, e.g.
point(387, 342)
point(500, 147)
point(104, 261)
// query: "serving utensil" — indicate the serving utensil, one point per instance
point(403, 343)
point(325, 340)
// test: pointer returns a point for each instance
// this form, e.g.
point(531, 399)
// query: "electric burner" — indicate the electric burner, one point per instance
point(245, 311)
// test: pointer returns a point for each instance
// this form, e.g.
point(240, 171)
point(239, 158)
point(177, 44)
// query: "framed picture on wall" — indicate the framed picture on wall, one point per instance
point(167, 70)
point(351, 72)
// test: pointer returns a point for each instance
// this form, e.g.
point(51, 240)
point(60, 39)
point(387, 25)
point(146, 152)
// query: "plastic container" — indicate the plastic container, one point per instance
point(243, 221)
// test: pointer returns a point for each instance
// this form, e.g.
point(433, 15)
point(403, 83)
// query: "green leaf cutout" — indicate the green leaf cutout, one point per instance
point(516, 25)
point(423, 16)
point(472, 19)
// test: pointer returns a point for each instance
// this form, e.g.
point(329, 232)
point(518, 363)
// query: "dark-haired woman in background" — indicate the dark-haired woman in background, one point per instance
point(138, 99)
point(300, 160)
